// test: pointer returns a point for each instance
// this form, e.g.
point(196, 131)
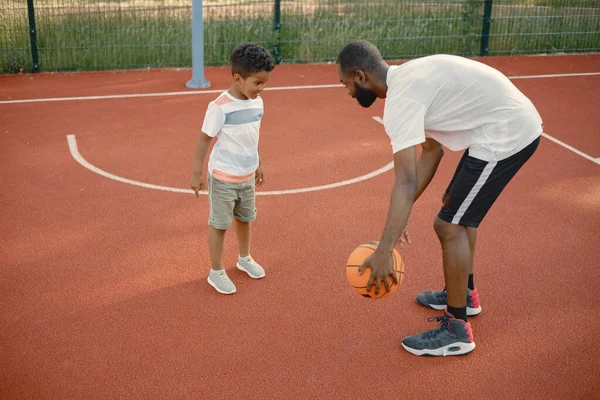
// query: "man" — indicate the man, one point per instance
point(461, 104)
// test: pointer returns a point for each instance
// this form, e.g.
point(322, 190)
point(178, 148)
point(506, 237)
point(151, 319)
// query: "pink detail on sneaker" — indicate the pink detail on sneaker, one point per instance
point(467, 327)
point(469, 332)
point(474, 298)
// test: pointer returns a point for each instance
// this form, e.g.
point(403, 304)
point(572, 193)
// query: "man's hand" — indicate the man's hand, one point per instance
point(404, 237)
point(445, 197)
point(197, 182)
point(259, 176)
point(382, 265)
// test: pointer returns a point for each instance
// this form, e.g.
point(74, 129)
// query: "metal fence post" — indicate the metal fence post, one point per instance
point(33, 36)
point(198, 80)
point(485, 31)
point(277, 30)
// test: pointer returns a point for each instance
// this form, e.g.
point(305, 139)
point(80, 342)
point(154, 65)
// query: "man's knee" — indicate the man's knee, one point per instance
point(448, 232)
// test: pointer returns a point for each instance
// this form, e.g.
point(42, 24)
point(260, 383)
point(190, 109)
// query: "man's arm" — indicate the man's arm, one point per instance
point(428, 163)
point(402, 199)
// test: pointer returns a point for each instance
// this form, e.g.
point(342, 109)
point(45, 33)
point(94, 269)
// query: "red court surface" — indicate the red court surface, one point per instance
point(103, 291)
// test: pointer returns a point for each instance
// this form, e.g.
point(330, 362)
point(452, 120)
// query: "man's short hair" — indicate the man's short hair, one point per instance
point(359, 55)
point(250, 58)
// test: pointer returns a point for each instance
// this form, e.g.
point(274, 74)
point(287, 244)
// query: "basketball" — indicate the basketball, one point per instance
point(359, 282)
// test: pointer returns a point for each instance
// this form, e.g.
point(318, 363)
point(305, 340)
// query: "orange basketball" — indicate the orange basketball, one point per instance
point(359, 282)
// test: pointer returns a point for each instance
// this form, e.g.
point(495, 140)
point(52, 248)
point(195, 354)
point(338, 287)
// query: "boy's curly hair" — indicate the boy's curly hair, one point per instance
point(250, 58)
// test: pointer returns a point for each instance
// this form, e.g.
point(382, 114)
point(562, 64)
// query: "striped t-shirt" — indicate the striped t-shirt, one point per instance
point(236, 124)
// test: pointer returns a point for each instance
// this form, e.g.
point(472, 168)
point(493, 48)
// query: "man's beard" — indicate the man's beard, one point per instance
point(365, 97)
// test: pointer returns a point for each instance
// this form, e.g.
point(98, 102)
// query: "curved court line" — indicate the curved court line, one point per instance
point(215, 91)
point(79, 158)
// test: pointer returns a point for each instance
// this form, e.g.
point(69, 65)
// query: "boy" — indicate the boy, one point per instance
point(234, 166)
point(438, 101)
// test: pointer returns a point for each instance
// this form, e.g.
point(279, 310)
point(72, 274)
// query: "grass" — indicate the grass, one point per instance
point(117, 34)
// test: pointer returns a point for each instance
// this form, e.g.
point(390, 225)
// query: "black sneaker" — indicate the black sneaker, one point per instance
point(452, 338)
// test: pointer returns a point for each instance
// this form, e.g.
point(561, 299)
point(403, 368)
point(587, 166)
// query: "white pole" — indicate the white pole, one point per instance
point(198, 80)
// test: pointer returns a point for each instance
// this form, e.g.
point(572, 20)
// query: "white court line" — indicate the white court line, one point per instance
point(79, 158)
point(553, 139)
point(573, 149)
point(554, 75)
point(214, 91)
point(166, 94)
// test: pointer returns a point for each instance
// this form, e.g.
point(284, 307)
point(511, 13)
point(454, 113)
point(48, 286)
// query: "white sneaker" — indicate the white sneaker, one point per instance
point(221, 282)
point(251, 267)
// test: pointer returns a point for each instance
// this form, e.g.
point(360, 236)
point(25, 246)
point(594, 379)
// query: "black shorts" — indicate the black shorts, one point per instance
point(476, 185)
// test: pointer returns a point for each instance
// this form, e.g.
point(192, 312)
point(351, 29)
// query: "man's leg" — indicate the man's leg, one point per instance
point(437, 299)
point(457, 262)
point(474, 190)
point(472, 234)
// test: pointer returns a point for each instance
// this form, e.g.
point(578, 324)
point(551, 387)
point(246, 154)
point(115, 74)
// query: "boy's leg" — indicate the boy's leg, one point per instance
point(216, 239)
point(221, 200)
point(242, 229)
point(221, 197)
point(245, 213)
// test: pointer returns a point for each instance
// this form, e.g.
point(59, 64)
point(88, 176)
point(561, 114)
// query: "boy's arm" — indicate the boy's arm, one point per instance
point(213, 122)
point(202, 145)
point(260, 175)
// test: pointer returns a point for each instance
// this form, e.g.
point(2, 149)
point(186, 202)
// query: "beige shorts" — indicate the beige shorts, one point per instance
point(229, 200)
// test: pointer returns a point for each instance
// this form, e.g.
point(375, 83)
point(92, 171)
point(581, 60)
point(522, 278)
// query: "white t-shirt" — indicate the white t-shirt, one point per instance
point(460, 103)
point(236, 123)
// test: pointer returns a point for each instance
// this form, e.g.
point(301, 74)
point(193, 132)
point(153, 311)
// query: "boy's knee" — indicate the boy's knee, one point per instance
point(220, 225)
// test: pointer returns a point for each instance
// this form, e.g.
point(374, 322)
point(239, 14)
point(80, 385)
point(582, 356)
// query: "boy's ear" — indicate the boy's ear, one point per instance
point(238, 78)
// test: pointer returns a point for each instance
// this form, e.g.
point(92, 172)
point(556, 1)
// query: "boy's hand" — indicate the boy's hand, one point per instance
point(259, 176)
point(197, 182)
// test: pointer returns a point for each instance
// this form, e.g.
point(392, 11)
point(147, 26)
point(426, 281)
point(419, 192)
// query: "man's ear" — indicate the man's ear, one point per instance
point(360, 77)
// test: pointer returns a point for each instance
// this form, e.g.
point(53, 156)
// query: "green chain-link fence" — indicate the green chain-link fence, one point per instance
point(120, 34)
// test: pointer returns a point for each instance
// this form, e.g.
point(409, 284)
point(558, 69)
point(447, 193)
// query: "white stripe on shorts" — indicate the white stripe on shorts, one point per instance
point(485, 174)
